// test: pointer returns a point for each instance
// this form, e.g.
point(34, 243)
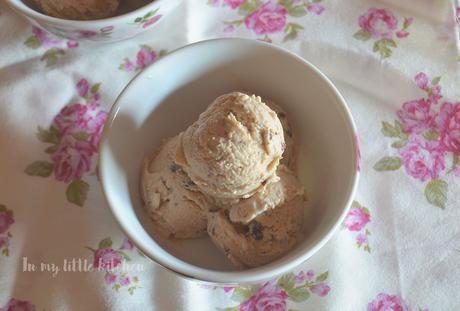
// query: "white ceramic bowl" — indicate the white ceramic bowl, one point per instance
point(102, 30)
point(169, 95)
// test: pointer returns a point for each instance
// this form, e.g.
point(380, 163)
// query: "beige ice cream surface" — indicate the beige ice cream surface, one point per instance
point(265, 239)
point(273, 194)
point(290, 154)
point(234, 147)
point(79, 9)
point(172, 200)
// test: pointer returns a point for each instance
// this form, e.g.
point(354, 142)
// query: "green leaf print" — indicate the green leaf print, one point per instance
point(95, 88)
point(105, 243)
point(48, 136)
point(436, 193)
point(436, 80)
point(388, 164)
point(51, 56)
point(456, 160)
point(248, 7)
point(76, 192)
point(287, 281)
point(297, 11)
point(39, 168)
point(322, 277)
point(291, 30)
point(398, 144)
point(242, 293)
point(33, 42)
point(381, 46)
point(299, 294)
point(389, 130)
point(52, 149)
point(80, 136)
point(431, 134)
point(124, 255)
point(362, 35)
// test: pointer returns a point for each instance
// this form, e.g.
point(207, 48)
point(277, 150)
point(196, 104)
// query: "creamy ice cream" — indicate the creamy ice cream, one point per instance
point(79, 9)
point(234, 148)
point(285, 189)
point(290, 154)
point(223, 176)
point(172, 200)
point(265, 239)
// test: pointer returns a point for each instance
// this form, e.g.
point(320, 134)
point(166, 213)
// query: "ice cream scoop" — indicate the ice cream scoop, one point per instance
point(79, 9)
point(172, 200)
point(284, 189)
point(234, 147)
point(263, 240)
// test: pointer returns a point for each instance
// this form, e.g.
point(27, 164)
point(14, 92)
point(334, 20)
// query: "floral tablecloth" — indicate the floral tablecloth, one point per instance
point(396, 63)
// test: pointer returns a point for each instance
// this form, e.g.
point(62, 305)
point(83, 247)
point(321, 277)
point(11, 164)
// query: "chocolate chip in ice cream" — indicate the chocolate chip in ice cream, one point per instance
point(255, 230)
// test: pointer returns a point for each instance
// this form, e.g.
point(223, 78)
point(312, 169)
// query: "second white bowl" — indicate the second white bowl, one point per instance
point(102, 30)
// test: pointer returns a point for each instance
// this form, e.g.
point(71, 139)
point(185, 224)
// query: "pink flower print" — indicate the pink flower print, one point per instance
point(44, 39)
point(79, 118)
point(110, 278)
point(82, 87)
point(229, 28)
point(125, 281)
point(72, 159)
point(71, 118)
point(106, 259)
point(380, 23)
point(228, 289)
point(361, 239)
point(320, 289)
point(421, 79)
point(4, 242)
point(18, 305)
point(422, 159)
point(95, 121)
point(214, 2)
point(417, 116)
point(72, 44)
point(269, 18)
point(151, 21)
point(403, 33)
point(448, 123)
point(87, 34)
point(356, 219)
point(128, 65)
point(269, 297)
point(234, 4)
point(385, 302)
point(145, 57)
point(6, 220)
point(435, 94)
point(457, 14)
point(316, 8)
point(127, 245)
point(302, 276)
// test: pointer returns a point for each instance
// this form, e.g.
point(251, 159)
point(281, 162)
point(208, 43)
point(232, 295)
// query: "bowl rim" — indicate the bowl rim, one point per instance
point(23, 8)
point(252, 275)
